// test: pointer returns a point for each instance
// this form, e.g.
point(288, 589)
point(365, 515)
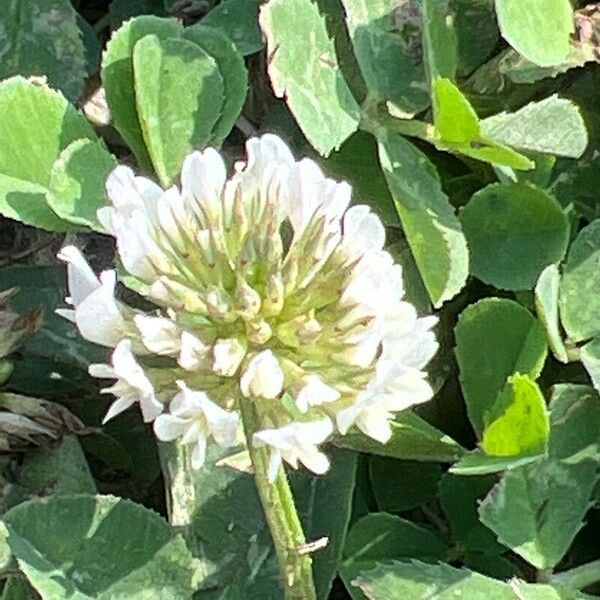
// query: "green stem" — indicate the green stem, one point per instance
point(281, 515)
point(579, 577)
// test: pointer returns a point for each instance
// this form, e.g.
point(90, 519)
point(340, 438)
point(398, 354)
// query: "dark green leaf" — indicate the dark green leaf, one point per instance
point(238, 19)
point(514, 231)
point(412, 439)
point(42, 38)
point(494, 339)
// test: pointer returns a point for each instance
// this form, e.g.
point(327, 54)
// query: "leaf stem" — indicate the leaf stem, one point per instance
point(578, 578)
point(282, 517)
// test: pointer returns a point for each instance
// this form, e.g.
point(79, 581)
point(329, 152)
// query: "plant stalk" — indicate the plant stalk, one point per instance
point(578, 578)
point(282, 517)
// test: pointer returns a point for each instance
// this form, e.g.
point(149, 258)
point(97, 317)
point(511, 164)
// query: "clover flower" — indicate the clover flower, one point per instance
point(267, 287)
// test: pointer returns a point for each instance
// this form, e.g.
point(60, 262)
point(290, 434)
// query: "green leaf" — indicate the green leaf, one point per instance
point(590, 357)
point(381, 537)
point(460, 498)
point(400, 485)
point(579, 299)
point(388, 58)
point(123, 10)
point(514, 231)
point(454, 117)
point(50, 472)
point(16, 588)
point(238, 19)
point(495, 338)
point(36, 124)
point(78, 182)
point(412, 439)
point(356, 161)
point(546, 305)
point(179, 94)
point(431, 227)
point(91, 45)
point(439, 39)
point(518, 423)
point(539, 29)
point(403, 581)
point(476, 32)
point(118, 78)
point(231, 68)
point(537, 510)
point(102, 547)
point(314, 87)
point(42, 38)
point(551, 126)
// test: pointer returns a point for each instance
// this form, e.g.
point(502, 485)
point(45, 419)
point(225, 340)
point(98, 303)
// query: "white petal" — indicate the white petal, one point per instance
point(99, 317)
point(159, 334)
point(101, 371)
point(263, 376)
point(193, 352)
point(313, 460)
point(168, 428)
point(375, 423)
point(227, 356)
point(81, 279)
point(128, 369)
point(314, 393)
point(151, 408)
point(203, 178)
point(118, 406)
point(363, 231)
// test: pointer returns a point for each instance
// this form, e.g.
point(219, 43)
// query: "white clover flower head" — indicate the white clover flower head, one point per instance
point(268, 288)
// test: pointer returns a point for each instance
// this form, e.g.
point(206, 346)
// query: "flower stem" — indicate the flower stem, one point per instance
point(578, 578)
point(281, 515)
